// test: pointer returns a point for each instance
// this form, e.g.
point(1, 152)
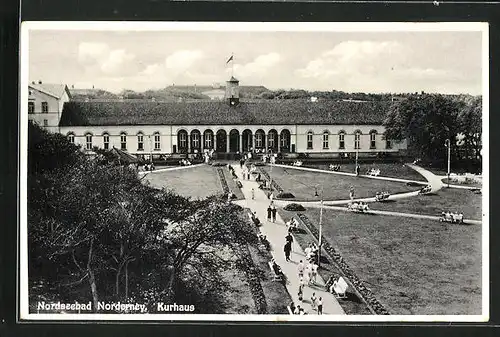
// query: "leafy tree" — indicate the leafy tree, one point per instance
point(425, 121)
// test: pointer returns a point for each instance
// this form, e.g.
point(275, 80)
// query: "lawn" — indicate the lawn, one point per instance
point(413, 266)
point(393, 170)
point(451, 199)
point(303, 184)
point(196, 182)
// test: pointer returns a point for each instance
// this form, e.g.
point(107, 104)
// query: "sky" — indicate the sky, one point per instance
point(372, 62)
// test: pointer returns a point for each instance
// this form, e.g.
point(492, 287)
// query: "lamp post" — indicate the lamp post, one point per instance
point(150, 150)
point(447, 143)
point(320, 226)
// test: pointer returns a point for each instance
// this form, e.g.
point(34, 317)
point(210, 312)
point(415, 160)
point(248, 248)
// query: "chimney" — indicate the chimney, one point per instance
point(72, 86)
point(39, 81)
point(32, 82)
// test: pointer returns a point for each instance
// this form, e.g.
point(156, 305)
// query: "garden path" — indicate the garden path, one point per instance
point(275, 234)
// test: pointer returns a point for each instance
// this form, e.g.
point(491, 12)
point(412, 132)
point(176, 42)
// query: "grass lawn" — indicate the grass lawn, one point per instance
point(196, 182)
point(413, 266)
point(452, 199)
point(393, 170)
point(302, 184)
point(468, 184)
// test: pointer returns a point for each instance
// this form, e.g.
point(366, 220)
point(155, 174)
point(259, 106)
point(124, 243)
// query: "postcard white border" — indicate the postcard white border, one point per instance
point(22, 284)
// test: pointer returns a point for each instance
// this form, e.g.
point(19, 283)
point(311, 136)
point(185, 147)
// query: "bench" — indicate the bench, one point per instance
point(277, 277)
point(339, 288)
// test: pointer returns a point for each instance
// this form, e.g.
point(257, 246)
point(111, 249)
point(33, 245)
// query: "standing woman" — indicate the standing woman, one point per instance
point(320, 306)
point(269, 213)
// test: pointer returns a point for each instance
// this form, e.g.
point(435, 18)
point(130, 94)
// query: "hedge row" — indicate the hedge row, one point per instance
point(365, 292)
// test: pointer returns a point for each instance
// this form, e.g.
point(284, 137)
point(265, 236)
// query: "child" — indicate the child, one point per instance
point(320, 306)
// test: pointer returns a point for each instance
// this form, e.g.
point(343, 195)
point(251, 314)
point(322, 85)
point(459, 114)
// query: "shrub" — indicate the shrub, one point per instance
point(285, 195)
point(294, 207)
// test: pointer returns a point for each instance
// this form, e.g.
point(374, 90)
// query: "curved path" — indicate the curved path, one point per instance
point(175, 168)
point(434, 181)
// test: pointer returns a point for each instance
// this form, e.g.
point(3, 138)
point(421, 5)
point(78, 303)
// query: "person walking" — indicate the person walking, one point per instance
point(300, 269)
point(313, 301)
point(269, 213)
point(273, 211)
point(300, 293)
point(320, 306)
point(253, 194)
point(314, 272)
point(287, 249)
point(289, 238)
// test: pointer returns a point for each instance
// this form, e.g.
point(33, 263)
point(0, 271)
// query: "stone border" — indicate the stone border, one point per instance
point(366, 294)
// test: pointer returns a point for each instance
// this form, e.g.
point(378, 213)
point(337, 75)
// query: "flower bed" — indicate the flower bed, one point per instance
point(368, 297)
point(275, 185)
point(285, 195)
point(223, 181)
point(294, 207)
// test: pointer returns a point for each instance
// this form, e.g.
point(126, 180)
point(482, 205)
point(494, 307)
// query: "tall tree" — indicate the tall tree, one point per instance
point(425, 121)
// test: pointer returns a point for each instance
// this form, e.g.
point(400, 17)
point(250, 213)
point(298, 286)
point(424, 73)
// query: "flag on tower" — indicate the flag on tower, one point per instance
point(230, 59)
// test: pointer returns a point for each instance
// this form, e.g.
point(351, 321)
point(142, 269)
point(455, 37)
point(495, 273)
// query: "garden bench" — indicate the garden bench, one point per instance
point(339, 288)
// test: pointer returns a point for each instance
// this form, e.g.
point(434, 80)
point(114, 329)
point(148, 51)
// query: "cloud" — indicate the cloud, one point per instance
point(259, 66)
point(97, 56)
point(365, 65)
point(182, 60)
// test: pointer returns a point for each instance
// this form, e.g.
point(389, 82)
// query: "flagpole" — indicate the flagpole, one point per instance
point(232, 64)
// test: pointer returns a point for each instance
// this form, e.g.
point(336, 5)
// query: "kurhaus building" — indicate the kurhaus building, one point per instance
point(229, 126)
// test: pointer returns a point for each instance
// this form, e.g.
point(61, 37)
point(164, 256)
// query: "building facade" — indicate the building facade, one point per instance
point(45, 104)
point(145, 127)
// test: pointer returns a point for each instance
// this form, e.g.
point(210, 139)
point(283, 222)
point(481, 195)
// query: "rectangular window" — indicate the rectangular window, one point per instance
point(71, 138)
point(325, 141)
point(88, 142)
point(182, 140)
point(309, 141)
point(196, 140)
point(388, 144)
point(208, 141)
point(357, 138)
point(106, 142)
point(157, 142)
point(123, 142)
point(342, 141)
point(140, 142)
point(45, 122)
point(372, 140)
point(31, 107)
point(45, 107)
point(258, 140)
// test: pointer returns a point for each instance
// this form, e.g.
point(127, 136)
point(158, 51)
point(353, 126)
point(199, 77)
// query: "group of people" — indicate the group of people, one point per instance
point(382, 195)
point(358, 206)
point(307, 275)
point(271, 213)
point(311, 252)
point(247, 172)
point(292, 225)
point(335, 167)
point(452, 217)
point(297, 163)
point(373, 172)
point(149, 167)
point(184, 162)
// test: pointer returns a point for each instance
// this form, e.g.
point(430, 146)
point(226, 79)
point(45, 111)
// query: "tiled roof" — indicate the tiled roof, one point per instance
point(287, 112)
point(56, 90)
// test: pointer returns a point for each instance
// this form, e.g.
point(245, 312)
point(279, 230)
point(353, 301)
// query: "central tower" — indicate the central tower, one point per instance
point(232, 91)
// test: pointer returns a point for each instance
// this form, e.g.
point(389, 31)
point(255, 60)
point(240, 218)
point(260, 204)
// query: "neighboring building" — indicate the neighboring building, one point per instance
point(216, 94)
point(230, 125)
point(45, 104)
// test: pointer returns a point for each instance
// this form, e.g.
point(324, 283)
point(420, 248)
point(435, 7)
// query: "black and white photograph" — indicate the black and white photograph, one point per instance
point(252, 171)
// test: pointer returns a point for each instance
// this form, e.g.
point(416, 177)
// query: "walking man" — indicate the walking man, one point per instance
point(273, 211)
point(300, 269)
point(313, 301)
point(314, 272)
point(289, 238)
point(287, 249)
point(320, 306)
point(269, 213)
point(253, 194)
